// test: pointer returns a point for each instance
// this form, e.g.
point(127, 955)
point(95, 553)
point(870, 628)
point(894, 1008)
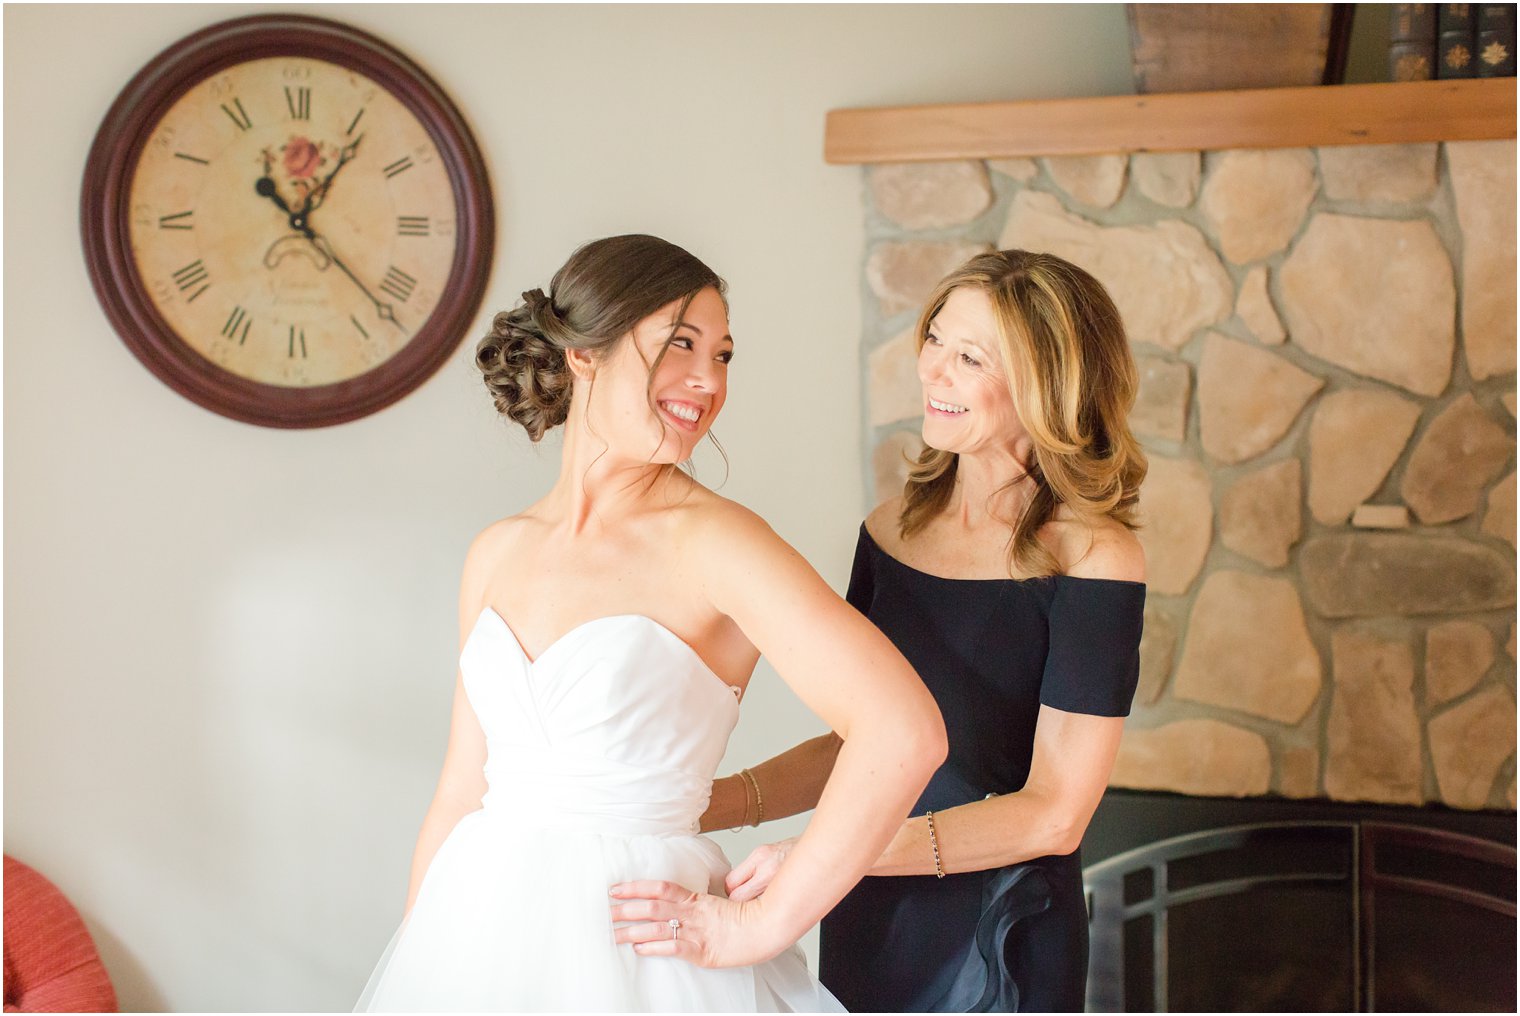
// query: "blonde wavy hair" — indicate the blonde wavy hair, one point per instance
point(1073, 381)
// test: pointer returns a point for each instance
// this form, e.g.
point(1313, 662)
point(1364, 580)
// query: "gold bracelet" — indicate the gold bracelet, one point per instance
point(759, 801)
point(744, 818)
point(939, 869)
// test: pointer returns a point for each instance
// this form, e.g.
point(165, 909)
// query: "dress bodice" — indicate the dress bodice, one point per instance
point(616, 728)
point(599, 760)
point(993, 651)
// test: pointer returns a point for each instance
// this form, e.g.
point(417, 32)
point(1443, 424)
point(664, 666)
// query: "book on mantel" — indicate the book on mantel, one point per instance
point(1456, 41)
point(1412, 43)
point(1495, 50)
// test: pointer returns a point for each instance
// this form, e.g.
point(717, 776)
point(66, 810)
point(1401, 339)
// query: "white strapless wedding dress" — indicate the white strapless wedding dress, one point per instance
point(601, 755)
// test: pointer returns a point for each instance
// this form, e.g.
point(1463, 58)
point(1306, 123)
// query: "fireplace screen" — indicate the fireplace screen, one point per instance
point(1305, 916)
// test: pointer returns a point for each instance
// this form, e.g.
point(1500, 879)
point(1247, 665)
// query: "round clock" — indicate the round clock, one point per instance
point(287, 221)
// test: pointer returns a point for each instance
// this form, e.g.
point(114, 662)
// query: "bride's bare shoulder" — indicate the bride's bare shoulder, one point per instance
point(496, 543)
point(714, 520)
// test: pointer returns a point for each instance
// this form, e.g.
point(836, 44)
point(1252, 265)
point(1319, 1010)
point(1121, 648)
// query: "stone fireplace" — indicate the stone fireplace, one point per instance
point(1326, 340)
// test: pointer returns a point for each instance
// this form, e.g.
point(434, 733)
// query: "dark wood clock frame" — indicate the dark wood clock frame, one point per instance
point(104, 220)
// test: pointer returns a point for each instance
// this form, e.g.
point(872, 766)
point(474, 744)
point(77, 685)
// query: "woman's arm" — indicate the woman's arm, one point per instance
point(790, 783)
point(462, 784)
point(1073, 756)
point(850, 675)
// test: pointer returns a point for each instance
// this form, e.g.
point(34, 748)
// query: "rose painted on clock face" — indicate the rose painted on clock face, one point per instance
point(302, 157)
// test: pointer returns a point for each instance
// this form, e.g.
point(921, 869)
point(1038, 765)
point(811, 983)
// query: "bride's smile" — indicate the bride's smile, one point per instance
point(656, 395)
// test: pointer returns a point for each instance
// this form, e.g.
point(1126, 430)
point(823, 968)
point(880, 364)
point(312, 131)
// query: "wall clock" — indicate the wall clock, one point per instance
point(287, 221)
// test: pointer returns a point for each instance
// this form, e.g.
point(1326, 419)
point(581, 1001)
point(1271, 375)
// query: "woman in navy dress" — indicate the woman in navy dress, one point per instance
point(1009, 576)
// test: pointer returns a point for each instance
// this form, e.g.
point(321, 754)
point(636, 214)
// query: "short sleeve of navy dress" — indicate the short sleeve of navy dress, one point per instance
point(992, 652)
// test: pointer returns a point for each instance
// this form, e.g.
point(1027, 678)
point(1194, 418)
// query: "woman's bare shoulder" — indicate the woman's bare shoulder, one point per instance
point(882, 523)
point(1106, 549)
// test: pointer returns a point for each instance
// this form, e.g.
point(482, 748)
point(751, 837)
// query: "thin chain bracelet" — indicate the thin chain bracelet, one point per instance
point(759, 801)
point(939, 869)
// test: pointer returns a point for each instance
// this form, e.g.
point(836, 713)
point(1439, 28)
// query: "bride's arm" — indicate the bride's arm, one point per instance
point(791, 783)
point(460, 789)
point(462, 784)
point(848, 673)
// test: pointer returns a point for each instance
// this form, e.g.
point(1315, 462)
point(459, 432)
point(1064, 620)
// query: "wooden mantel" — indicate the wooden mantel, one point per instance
point(1477, 109)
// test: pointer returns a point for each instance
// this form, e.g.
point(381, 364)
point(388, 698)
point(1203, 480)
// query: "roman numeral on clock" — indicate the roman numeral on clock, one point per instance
point(179, 220)
point(191, 276)
point(192, 158)
point(412, 225)
point(240, 116)
point(398, 284)
point(298, 101)
point(297, 340)
point(398, 167)
point(357, 117)
point(358, 326)
point(237, 325)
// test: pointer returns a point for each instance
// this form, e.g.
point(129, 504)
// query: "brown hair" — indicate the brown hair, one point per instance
point(606, 288)
point(1073, 382)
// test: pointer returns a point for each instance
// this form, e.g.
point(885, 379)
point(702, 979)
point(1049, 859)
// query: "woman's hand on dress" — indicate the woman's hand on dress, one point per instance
point(750, 877)
point(713, 931)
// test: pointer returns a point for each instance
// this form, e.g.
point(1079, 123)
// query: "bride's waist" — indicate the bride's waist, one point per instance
point(606, 799)
point(592, 849)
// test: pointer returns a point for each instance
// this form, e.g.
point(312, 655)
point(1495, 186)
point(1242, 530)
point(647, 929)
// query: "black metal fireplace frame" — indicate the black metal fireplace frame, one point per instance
point(1361, 878)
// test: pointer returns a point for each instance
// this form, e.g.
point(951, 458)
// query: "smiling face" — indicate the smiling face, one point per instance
point(657, 392)
point(968, 404)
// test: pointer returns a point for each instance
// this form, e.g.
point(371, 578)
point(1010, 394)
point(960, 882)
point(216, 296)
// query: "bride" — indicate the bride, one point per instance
point(607, 636)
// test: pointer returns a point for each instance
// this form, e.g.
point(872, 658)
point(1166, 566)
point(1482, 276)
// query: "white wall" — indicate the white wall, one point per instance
point(229, 650)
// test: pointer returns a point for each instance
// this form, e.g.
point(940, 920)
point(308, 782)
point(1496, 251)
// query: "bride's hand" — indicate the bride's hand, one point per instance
point(750, 877)
point(713, 931)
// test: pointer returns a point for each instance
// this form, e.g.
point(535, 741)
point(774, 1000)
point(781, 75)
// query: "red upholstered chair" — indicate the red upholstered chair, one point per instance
point(50, 962)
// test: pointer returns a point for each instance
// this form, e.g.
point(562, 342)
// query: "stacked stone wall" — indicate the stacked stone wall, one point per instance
point(1326, 343)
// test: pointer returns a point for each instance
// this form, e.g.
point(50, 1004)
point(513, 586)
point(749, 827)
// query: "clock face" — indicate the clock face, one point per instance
point(292, 221)
point(287, 221)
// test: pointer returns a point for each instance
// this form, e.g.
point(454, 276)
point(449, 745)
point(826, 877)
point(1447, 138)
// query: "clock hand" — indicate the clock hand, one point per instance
point(382, 309)
point(266, 187)
point(319, 193)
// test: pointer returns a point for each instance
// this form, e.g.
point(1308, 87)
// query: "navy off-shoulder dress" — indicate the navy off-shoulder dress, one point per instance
point(991, 651)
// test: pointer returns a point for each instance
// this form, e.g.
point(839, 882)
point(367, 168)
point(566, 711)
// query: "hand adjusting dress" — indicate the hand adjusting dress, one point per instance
point(601, 755)
point(992, 652)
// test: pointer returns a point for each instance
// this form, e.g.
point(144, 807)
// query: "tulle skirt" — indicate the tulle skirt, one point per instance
point(515, 918)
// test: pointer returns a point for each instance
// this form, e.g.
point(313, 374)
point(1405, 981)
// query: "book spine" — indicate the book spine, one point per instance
point(1412, 42)
point(1496, 41)
point(1413, 23)
point(1456, 41)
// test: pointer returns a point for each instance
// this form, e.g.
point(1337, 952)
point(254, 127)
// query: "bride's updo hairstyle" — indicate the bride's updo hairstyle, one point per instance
point(1073, 382)
point(605, 289)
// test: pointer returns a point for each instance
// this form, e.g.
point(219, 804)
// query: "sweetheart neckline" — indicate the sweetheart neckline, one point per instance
point(732, 692)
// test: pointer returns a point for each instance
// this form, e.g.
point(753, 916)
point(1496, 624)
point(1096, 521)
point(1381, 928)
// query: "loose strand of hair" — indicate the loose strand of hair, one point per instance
point(606, 446)
point(722, 454)
point(651, 367)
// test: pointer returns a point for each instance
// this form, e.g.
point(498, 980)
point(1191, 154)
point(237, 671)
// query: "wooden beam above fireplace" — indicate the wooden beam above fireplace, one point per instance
point(1471, 110)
